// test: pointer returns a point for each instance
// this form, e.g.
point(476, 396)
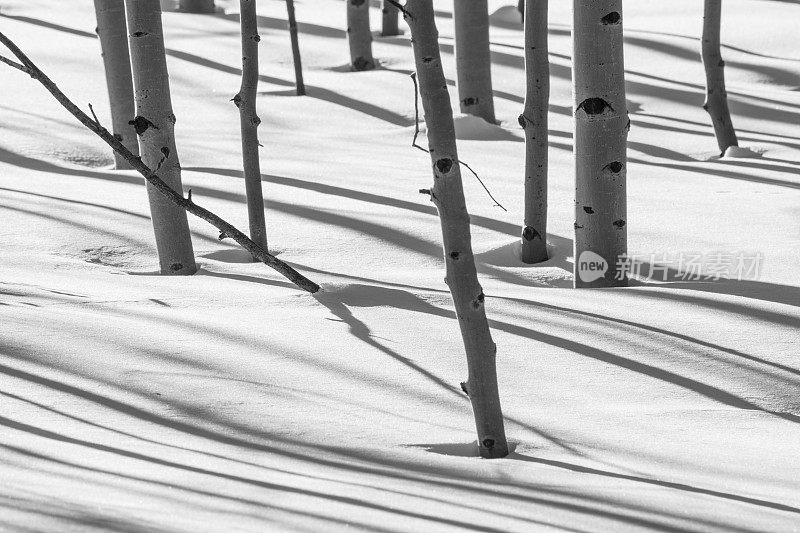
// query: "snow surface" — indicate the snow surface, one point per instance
point(230, 401)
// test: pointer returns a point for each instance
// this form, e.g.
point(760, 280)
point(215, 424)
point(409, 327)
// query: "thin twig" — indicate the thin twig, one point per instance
point(416, 114)
point(96, 120)
point(186, 203)
point(415, 145)
point(402, 9)
point(14, 64)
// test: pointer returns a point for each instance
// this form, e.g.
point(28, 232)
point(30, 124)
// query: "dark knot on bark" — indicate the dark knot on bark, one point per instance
point(141, 125)
point(594, 106)
point(612, 18)
point(444, 165)
point(530, 233)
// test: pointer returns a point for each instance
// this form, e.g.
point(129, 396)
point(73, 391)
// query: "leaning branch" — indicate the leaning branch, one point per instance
point(401, 8)
point(226, 229)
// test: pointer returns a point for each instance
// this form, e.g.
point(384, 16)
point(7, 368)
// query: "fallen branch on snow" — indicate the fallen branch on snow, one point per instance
point(226, 229)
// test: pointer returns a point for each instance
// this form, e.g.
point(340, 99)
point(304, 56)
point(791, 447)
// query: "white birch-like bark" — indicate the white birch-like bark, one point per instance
point(196, 6)
point(359, 35)
point(113, 33)
point(245, 100)
point(154, 125)
point(473, 58)
point(534, 121)
point(716, 103)
point(391, 20)
point(448, 195)
point(601, 132)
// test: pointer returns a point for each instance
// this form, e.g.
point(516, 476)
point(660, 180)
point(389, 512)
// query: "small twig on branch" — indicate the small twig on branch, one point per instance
point(401, 8)
point(14, 64)
point(186, 203)
point(416, 114)
point(96, 120)
point(415, 145)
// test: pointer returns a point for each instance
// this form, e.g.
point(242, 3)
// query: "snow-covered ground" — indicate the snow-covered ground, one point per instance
point(230, 401)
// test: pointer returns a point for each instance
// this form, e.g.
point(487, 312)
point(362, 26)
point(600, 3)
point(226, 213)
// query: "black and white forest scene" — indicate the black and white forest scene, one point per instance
point(399, 266)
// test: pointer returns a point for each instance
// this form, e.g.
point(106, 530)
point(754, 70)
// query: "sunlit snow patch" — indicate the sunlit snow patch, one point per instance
point(740, 152)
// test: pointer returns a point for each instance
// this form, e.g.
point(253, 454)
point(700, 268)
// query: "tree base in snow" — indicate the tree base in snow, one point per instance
point(739, 152)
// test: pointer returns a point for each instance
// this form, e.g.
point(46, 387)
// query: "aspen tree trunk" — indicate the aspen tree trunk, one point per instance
point(197, 6)
point(448, 195)
point(473, 59)
point(601, 131)
point(391, 16)
point(300, 86)
point(534, 121)
point(716, 102)
point(113, 32)
point(359, 35)
point(245, 100)
point(154, 124)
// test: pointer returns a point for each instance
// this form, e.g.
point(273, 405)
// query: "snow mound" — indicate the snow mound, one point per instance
point(504, 262)
point(506, 15)
point(472, 128)
point(739, 152)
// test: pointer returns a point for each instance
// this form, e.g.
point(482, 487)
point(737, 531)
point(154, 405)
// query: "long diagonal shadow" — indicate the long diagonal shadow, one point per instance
point(320, 93)
point(499, 58)
point(171, 485)
point(372, 295)
point(653, 329)
point(33, 430)
point(336, 304)
point(649, 481)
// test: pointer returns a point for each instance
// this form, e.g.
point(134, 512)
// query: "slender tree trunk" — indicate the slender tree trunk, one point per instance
point(226, 229)
point(473, 58)
point(359, 35)
point(300, 86)
point(154, 124)
point(534, 121)
point(716, 102)
point(521, 9)
point(245, 100)
point(196, 6)
point(113, 32)
point(601, 132)
point(391, 16)
point(448, 195)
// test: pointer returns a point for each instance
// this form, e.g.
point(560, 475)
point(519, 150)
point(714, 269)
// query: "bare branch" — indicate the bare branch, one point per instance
point(96, 120)
point(14, 64)
point(186, 203)
point(415, 145)
point(401, 8)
